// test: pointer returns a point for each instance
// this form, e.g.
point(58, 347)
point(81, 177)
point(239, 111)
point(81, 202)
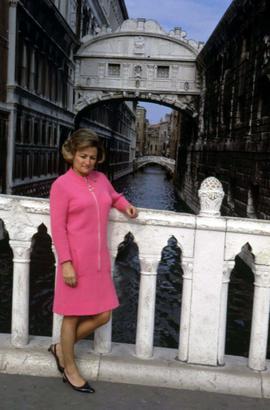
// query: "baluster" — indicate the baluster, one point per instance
point(20, 293)
point(208, 262)
point(103, 338)
point(57, 319)
point(227, 270)
point(146, 309)
point(56, 328)
point(103, 335)
point(185, 311)
point(260, 318)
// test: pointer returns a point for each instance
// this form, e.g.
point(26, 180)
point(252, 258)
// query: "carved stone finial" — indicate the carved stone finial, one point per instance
point(211, 195)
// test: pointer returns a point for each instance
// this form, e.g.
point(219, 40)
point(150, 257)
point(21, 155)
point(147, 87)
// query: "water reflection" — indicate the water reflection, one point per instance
point(150, 187)
point(42, 267)
point(168, 296)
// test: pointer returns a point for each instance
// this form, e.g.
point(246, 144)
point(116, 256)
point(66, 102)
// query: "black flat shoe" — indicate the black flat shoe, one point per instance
point(52, 349)
point(85, 388)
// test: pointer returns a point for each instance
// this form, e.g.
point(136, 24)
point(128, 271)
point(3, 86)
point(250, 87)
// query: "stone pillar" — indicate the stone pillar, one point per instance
point(11, 148)
point(20, 293)
point(146, 309)
point(185, 311)
point(56, 329)
point(207, 276)
point(103, 338)
point(57, 319)
point(227, 270)
point(260, 319)
point(103, 335)
point(12, 28)
point(11, 82)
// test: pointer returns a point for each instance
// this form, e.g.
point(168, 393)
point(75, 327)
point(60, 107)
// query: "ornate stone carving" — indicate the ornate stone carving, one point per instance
point(178, 33)
point(188, 269)
point(138, 71)
point(211, 195)
point(18, 223)
point(227, 270)
point(5, 203)
point(139, 45)
point(36, 207)
point(101, 70)
point(21, 251)
point(262, 276)
point(184, 102)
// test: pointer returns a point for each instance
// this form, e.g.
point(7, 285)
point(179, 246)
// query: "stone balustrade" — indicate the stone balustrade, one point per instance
point(209, 245)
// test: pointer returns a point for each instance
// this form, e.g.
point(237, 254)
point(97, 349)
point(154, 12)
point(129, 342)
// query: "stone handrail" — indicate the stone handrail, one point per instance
point(209, 244)
point(154, 158)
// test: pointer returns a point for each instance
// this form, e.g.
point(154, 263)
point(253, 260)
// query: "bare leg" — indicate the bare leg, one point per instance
point(89, 324)
point(68, 339)
point(84, 326)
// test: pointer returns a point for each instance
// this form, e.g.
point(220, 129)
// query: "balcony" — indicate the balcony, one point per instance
point(209, 245)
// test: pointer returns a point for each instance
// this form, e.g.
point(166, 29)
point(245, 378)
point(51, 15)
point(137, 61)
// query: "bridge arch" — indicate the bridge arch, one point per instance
point(167, 163)
point(139, 61)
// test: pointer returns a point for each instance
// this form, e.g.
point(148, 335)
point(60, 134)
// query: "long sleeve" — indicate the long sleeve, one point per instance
point(118, 200)
point(59, 213)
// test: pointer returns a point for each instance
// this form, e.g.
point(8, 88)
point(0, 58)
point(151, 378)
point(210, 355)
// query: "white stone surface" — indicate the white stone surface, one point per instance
point(227, 270)
point(185, 310)
point(122, 366)
point(206, 291)
point(260, 319)
point(209, 245)
point(146, 309)
point(211, 195)
point(20, 293)
point(128, 63)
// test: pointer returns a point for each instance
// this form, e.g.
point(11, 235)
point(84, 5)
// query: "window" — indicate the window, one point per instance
point(163, 71)
point(114, 70)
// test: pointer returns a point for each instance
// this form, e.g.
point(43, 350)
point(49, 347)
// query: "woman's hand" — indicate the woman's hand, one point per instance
point(131, 211)
point(69, 274)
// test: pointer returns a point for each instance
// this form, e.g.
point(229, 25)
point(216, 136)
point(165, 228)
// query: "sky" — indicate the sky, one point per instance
point(197, 18)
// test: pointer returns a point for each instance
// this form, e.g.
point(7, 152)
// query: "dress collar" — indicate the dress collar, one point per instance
point(92, 175)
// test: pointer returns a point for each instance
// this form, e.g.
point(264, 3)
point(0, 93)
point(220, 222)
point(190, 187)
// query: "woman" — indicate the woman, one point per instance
point(80, 201)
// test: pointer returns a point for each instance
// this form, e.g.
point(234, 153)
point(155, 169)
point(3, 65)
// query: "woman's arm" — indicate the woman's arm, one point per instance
point(59, 214)
point(119, 202)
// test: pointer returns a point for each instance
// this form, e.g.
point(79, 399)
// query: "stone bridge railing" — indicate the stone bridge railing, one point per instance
point(209, 244)
point(167, 163)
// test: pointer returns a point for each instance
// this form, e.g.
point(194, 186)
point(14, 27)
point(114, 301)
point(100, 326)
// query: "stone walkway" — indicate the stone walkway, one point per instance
point(49, 393)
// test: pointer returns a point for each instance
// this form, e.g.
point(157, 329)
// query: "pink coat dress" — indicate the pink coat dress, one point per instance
point(80, 209)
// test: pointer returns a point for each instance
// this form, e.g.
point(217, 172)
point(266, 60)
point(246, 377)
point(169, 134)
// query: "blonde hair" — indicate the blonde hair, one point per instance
point(79, 140)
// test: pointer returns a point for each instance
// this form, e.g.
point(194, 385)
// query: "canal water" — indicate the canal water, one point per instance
point(148, 188)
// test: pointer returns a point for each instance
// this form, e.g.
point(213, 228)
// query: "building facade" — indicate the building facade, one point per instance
point(175, 133)
point(141, 130)
point(115, 124)
point(37, 96)
point(4, 111)
point(163, 138)
point(231, 139)
point(152, 146)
